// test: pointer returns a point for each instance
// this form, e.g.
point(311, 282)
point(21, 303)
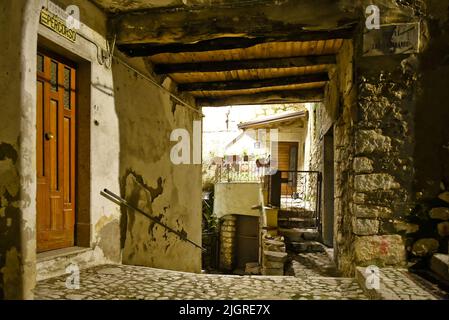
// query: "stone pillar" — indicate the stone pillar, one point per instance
point(227, 242)
point(274, 256)
point(383, 160)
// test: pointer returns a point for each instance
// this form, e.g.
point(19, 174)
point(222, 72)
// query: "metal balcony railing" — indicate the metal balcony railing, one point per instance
point(239, 171)
point(296, 191)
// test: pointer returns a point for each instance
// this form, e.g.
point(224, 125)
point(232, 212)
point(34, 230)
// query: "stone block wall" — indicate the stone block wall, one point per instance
point(386, 168)
point(274, 255)
point(337, 112)
point(382, 164)
point(390, 143)
point(370, 112)
point(227, 242)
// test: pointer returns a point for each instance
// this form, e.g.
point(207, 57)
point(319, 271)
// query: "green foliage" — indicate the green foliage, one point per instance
point(210, 221)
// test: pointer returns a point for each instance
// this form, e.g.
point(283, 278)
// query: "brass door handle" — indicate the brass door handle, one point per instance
point(49, 136)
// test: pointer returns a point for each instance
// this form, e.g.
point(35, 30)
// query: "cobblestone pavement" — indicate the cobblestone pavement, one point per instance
point(399, 284)
point(132, 282)
point(395, 283)
point(312, 265)
point(309, 276)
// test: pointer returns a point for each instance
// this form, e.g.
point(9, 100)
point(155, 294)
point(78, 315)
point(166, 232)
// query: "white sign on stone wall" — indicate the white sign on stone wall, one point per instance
point(391, 39)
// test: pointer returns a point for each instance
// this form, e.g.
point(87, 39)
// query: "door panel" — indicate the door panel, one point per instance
point(288, 161)
point(55, 153)
point(247, 236)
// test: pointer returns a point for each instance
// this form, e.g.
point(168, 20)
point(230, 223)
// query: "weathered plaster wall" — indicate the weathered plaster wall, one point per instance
point(150, 181)
point(130, 124)
point(17, 148)
point(107, 112)
point(236, 198)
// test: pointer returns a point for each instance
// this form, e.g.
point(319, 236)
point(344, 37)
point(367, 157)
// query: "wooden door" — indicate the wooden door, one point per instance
point(288, 161)
point(56, 133)
point(247, 238)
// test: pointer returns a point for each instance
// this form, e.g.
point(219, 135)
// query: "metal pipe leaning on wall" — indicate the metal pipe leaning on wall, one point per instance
point(120, 201)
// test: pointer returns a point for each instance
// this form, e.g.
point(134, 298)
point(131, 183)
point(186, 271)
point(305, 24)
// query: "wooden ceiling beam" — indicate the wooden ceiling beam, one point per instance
point(144, 49)
point(150, 32)
point(253, 84)
point(272, 97)
point(222, 66)
point(274, 19)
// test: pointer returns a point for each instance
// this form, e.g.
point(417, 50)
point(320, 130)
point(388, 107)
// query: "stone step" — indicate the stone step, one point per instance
point(295, 214)
point(296, 222)
point(306, 247)
point(275, 256)
point(273, 245)
point(299, 234)
point(440, 265)
point(252, 268)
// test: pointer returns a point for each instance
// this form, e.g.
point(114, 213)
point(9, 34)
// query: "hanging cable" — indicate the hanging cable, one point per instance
point(110, 56)
point(158, 85)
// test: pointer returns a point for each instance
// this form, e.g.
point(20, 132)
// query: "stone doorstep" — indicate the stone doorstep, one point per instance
point(65, 252)
point(440, 265)
point(53, 263)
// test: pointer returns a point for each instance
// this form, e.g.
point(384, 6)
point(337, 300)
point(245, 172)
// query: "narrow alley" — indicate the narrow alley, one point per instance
point(224, 150)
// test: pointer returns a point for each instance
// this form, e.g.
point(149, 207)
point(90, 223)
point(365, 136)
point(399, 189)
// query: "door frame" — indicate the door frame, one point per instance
point(328, 218)
point(83, 65)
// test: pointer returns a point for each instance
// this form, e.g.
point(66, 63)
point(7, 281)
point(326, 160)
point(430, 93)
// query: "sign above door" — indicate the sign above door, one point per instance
point(58, 25)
